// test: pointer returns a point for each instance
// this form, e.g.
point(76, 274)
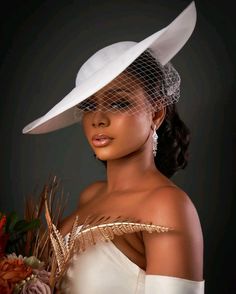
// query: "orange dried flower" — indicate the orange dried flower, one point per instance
point(13, 270)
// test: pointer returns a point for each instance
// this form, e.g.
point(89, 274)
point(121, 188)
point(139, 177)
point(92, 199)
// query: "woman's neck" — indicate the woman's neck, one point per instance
point(127, 172)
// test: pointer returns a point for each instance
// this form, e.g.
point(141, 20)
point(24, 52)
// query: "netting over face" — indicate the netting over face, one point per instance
point(145, 85)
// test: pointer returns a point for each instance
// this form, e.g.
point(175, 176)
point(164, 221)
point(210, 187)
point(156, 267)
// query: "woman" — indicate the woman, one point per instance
point(125, 97)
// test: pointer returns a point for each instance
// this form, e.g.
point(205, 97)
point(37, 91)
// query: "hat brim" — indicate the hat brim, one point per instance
point(165, 44)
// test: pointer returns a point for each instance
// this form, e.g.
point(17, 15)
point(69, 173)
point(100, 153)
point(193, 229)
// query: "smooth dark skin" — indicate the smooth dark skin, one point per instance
point(135, 188)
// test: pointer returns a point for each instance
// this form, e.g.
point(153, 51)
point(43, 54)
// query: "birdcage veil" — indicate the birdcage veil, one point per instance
point(161, 85)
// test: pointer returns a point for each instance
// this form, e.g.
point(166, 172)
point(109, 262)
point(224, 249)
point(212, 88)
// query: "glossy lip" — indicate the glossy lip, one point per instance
point(100, 136)
point(101, 140)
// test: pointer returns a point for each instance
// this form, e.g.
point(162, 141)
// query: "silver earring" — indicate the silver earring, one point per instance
point(155, 142)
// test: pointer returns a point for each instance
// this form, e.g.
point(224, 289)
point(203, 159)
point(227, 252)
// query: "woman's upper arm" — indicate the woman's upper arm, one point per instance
point(177, 253)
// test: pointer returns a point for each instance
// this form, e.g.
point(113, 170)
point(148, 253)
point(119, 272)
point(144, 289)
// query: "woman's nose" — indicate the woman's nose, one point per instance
point(100, 119)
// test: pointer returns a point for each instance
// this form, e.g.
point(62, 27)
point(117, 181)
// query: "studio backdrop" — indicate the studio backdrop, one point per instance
point(43, 44)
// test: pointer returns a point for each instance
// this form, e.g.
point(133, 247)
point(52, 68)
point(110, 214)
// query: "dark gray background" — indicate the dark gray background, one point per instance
point(43, 44)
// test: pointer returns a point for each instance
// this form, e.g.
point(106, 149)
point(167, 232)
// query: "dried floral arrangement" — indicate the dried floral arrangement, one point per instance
point(27, 260)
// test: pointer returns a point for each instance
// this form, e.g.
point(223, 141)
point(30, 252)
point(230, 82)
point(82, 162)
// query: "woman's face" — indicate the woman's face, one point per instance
point(116, 120)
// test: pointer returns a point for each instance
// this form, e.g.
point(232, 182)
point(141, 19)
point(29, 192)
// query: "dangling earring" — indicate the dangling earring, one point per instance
point(155, 142)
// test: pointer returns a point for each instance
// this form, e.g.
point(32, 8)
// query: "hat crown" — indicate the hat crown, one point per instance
point(101, 58)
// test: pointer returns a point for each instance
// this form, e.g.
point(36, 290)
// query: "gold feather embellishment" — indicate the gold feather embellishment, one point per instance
point(92, 231)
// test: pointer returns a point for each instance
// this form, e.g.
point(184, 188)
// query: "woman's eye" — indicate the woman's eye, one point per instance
point(120, 104)
point(90, 105)
point(87, 106)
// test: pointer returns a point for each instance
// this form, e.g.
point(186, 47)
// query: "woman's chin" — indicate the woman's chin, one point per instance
point(109, 157)
point(105, 156)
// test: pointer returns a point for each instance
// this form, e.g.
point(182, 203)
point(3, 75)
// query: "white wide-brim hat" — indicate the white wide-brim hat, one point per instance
point(106, 64)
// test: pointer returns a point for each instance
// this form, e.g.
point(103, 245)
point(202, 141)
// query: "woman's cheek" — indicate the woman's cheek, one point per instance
point(133, 137)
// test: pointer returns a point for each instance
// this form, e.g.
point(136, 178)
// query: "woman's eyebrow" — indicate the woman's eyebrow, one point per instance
point(111, 91)
point(118, 90)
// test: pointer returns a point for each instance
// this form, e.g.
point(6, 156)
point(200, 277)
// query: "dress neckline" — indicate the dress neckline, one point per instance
point(133, 266)
point(125, 258)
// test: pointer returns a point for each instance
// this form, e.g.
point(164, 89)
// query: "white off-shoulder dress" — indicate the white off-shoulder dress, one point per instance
point(104, 269)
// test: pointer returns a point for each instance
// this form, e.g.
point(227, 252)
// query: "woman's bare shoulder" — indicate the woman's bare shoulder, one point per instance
point(90, 191)
point(172, 205)
point(85, 196)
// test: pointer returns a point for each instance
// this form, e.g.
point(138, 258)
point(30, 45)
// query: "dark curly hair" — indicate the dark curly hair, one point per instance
point(173, 143)
point(173, 134)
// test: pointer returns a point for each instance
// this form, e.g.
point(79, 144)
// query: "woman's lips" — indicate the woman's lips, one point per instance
point(101, 140)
